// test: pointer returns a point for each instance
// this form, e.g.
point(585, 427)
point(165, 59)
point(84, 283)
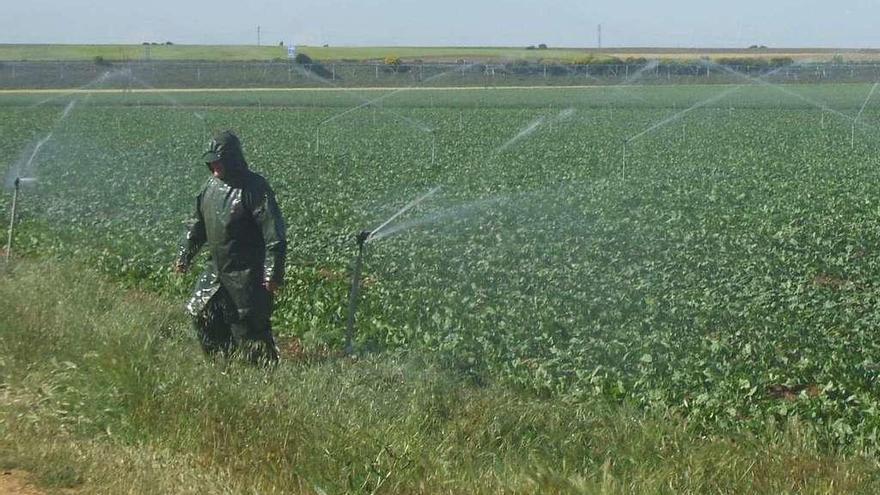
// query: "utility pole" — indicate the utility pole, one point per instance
point(599, 36)
point(258, 35)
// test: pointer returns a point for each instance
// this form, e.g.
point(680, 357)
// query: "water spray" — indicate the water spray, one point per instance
point(679, 114)
point(362, 238)
point(317, 139)
point(852, 137)
point(400, 212)
point(17, 187)
point(374, 103)
point(762, 80)
point(861, 111)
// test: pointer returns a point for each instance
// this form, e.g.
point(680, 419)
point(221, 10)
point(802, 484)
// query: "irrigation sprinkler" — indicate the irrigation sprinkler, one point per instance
point(17, 185)
point(433, 146)
point(361, 239)
point(623, 169)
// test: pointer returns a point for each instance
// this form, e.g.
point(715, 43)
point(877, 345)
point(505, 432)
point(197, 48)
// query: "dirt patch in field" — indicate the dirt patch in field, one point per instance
point(830, 282)
point(330, 275)
point(15, 482)
point(292, 350)
point(791, 393)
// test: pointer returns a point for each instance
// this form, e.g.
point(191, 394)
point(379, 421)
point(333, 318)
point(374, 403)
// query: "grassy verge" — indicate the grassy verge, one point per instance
point(104, 391)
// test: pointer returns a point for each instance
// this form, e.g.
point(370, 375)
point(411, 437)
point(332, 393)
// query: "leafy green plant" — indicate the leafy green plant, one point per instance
point(729, 278)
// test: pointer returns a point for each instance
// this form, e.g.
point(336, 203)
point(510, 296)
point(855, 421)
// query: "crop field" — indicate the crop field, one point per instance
point(710, 251)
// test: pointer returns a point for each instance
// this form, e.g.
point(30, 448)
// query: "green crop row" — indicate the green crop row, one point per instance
point(723, 267)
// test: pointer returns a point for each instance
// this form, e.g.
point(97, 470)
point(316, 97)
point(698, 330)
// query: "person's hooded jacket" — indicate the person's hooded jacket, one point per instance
point(239, 220)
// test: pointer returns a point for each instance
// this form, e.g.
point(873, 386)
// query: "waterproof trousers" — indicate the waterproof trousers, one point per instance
point(221, 330)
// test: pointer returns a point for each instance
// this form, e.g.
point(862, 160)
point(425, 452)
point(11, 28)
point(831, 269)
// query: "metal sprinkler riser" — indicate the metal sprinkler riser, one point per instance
point(17, 185)
point(361, 238)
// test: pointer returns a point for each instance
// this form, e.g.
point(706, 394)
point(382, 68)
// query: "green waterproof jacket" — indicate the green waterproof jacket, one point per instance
point(239, 220)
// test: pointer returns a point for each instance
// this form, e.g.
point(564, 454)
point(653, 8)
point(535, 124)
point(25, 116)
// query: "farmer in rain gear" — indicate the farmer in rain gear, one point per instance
point(237, 216)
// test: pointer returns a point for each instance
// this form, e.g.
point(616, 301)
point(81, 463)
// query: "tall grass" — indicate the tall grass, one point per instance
point(105, 390)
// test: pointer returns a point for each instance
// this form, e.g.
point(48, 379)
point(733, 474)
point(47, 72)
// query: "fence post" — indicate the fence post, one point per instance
point(377, 72)
point(333, 68)
point(545, 71)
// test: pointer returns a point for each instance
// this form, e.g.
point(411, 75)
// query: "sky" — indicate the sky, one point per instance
point(671, 23)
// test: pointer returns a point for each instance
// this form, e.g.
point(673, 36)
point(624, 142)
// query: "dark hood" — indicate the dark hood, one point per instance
point(226, 147)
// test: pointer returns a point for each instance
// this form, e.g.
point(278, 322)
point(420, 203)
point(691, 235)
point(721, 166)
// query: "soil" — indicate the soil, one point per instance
point(15, 482)
point(791, 393)
point(830, 282)
point(292, 350)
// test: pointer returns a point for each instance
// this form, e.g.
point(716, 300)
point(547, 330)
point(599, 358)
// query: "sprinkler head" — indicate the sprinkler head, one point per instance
point(17, 182)
point(363, 236)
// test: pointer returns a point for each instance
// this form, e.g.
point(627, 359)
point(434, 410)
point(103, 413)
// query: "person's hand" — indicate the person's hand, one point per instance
point(180, 268)
point(272, 286)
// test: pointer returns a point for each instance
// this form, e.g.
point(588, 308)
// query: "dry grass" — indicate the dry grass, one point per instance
point(104, 391)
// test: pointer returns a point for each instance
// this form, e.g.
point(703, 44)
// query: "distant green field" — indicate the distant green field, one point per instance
point(140, 52)
point(246, 52)
point(450, 53)
point(15, 52)
point(501, 54)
